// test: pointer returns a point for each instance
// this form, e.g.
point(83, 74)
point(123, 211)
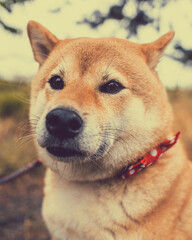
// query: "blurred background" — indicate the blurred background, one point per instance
point(137, 20)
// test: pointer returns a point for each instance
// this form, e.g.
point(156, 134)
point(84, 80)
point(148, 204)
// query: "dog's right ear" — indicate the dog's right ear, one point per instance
point(42, 41)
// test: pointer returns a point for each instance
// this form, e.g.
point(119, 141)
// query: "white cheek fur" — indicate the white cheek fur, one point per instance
point(137, 126)
point(38, 111)
point(138, 118)
point(38, 105)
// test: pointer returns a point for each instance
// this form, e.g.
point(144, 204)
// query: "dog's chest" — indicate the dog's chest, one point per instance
point(77, 213)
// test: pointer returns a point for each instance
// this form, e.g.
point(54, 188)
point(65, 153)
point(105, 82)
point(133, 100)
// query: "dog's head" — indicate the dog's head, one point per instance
point(98, 103)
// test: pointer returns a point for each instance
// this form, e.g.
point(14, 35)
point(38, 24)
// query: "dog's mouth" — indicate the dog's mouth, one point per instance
point(64, 152)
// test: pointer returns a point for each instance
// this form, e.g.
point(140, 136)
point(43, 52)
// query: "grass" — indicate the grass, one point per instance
point(14, 106)
point(20, 201)
point(182, 107)
point(14, 100)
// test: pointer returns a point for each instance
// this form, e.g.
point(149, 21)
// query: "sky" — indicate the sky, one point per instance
point(16, 58)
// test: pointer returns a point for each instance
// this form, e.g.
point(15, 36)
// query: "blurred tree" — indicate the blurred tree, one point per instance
point(141, 17)
point(8, 6)
point(132, 21)
point(185, 55)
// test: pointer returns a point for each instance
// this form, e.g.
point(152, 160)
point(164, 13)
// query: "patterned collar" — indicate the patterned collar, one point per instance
point(149, 158)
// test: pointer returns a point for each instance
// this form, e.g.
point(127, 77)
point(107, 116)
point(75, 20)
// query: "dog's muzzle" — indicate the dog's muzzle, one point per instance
point(64, 125)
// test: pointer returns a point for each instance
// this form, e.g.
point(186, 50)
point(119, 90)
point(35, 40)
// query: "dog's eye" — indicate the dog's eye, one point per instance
point(111, 87)
point(56, 82)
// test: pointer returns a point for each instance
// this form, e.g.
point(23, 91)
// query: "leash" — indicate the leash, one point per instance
point(20, 172)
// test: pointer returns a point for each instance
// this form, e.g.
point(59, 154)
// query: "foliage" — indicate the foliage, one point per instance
point(8, 6)
point(133, 21)
point(11, 97)
point(14, 126)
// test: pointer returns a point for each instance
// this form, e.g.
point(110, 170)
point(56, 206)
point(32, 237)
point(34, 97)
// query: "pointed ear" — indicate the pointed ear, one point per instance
point(42, 41)
point(154, 50)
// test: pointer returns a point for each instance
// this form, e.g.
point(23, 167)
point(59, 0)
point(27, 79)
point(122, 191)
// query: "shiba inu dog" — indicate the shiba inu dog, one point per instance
point(103, 115)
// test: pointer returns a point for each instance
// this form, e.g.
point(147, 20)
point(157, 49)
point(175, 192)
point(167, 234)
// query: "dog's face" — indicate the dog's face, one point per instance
point(98, 103)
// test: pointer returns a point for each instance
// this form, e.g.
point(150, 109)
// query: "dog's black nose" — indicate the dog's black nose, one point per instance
point(63, 123)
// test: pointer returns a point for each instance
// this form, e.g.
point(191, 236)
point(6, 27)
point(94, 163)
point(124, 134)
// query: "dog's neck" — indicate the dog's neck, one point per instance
point(149, 158)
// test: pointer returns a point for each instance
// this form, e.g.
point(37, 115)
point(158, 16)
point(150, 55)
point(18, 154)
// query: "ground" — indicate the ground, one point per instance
point(20, 208)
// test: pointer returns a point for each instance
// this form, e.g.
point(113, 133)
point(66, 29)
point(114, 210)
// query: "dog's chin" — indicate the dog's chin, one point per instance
point(65, 154)
point(74, 162)
point(72, 165)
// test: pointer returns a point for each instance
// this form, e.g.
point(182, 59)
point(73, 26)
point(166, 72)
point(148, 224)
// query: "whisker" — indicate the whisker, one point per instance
point(118, 130)
point(27, 134)
point(114, 129)
point(96, 163)
point(22, 143)
point(23, 99)
point(111, 137)
point(60, 177)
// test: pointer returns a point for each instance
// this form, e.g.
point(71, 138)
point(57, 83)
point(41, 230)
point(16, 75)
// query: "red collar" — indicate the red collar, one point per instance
point(150, 158)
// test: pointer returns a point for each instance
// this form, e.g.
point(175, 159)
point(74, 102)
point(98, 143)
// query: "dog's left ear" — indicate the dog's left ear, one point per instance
point(42, 41)
point(154, 50)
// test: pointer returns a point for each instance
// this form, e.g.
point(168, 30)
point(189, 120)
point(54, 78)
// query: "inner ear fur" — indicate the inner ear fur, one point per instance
point(154, 50)
point(42, 41)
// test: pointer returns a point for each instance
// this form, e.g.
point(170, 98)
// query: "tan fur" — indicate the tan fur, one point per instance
point(85, 200)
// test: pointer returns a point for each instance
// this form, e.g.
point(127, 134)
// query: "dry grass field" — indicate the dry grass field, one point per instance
point(20, 201)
